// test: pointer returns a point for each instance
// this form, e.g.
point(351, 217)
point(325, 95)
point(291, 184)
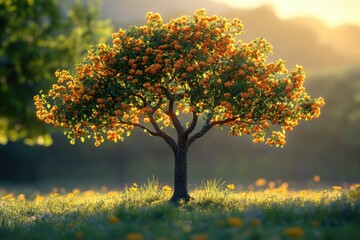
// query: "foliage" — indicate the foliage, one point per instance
point(37, 37)
point(153, 73)
point(276, 213)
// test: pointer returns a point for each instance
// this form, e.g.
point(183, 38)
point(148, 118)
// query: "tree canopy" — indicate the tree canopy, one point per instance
point(37, 37)
point(152, 74)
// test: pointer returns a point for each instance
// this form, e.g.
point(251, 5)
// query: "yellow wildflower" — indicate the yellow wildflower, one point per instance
point(89, 193)
point(9, 197)
point(54, 195)
point(271, 184)
point(111, 193)
point(316, 178)
point(76, 191)
point(166, 188)
point(230, 187)
point(39, 198)
point(260, 182)
point(354, 186)
point(133, 236)
point(294, 232)
point(234, 221)
point(336, 188)
point(113, 219)
point(21, 197)
point(133, 189)
point(284, 186)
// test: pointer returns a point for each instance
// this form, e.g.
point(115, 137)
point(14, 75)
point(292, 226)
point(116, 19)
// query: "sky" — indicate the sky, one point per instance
point(331, 12)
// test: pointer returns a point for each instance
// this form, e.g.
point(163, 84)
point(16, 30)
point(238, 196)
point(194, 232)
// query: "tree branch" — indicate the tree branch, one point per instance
point(168, 139)
point(177, 124)
point(170, 112)
point(208, 125)
point(201, 133)
point(153, 133)
point(192, 125)
point(158, 132)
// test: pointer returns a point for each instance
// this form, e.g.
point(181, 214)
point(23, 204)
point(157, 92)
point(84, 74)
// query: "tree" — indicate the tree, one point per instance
point(157, 75)
point(37, 37)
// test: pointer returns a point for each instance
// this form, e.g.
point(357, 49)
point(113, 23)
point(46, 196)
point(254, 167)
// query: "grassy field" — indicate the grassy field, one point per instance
point(218, 211)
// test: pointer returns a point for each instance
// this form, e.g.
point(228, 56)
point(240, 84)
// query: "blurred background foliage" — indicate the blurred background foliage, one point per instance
point(37, 37)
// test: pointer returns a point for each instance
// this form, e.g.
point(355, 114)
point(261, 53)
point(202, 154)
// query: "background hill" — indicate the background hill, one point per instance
point(306, 41)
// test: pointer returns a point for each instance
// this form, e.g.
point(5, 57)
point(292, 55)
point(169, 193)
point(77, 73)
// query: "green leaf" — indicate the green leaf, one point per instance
point(128, 133)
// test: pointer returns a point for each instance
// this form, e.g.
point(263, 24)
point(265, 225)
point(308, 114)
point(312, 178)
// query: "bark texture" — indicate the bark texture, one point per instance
point(180, 180)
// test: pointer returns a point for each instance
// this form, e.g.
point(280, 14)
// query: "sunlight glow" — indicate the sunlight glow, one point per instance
point(331, 12)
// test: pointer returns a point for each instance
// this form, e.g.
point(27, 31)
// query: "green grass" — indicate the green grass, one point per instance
point(217, 212)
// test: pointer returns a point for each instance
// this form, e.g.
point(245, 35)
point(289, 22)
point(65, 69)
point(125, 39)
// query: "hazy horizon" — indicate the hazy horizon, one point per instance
point(307, 41)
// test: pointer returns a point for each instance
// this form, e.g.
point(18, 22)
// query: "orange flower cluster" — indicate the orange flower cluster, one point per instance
point(188, 65)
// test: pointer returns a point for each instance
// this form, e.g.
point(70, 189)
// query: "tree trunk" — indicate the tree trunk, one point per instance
point(180, 181)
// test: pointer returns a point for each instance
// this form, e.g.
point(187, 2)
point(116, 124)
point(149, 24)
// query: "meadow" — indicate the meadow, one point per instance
point(218, 211)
